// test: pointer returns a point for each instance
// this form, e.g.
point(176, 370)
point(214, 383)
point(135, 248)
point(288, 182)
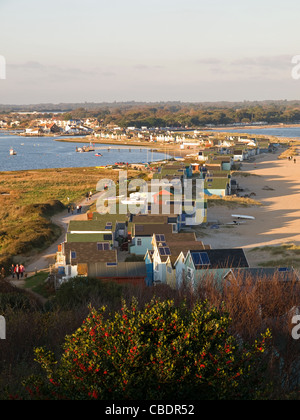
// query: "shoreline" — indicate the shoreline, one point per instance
point(254, 127)
point(250, 126)
point(168, 148)
point(274, 183)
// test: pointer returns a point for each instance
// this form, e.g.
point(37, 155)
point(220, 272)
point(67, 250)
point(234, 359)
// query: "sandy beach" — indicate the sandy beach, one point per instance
point(275, 184)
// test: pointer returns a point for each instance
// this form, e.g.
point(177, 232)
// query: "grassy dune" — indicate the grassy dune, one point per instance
point(285, 255)
point(28, 199)
point(292, 151)
point(231, 201)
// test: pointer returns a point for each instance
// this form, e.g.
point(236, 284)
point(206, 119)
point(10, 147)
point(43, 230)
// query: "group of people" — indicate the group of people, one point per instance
point(88, 195)
point(17, 270)
point(71, 209)
point(78, 208)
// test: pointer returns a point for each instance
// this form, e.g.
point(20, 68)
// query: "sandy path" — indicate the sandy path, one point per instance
point(42, 260)
point(277, 220)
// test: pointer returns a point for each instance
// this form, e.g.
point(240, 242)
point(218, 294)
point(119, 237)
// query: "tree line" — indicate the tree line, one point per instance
point(166, 114)
point(190, 115)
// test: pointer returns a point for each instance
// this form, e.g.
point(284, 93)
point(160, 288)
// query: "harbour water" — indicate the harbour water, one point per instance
point(47, 153)
point(290, 132)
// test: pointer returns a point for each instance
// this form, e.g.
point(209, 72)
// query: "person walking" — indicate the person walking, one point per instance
point(12, 271)
point(2, 273)
point(22, 270)
point(17, 271)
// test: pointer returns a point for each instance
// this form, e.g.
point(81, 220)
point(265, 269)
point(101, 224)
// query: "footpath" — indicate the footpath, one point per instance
point(42, 260)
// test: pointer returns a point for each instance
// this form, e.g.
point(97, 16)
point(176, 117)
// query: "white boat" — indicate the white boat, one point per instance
point(12, 152)
point(239, 216)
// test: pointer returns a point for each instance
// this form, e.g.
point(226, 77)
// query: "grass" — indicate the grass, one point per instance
point(32, 197)
point(231, 201)
point(36, 283)
point(244, 174)
point(292, 151)
point(279, 249)
point(287, 255)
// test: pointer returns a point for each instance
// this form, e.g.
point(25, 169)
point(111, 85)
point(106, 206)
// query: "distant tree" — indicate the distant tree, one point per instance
point(67, 117)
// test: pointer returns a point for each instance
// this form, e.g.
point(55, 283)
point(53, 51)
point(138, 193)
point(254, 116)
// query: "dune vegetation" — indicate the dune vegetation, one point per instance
point(28, 199)
point(251, 310)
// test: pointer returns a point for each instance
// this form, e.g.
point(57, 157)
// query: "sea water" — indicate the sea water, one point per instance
point(48, 153)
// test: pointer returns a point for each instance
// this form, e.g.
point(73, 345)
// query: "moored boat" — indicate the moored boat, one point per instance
point(82, 149)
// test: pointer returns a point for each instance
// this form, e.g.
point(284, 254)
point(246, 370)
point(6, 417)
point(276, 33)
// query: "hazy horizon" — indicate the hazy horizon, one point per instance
point(158, 51)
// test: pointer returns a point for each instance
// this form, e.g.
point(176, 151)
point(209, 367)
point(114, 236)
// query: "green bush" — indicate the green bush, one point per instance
point(16, 301)
point(81, 291)
point(156, 353)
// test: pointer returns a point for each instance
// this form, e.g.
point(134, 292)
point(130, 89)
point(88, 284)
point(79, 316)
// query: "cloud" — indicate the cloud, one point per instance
point(108, 73)
point(276, 67)
point(48, 70)
point(208, 61)
point(143, 67)
point(276, 62)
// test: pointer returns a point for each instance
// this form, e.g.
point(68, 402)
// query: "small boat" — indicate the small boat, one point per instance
point(98, 154)
point(239, 216)
point(82, 149)
point(88, 149)
point(12, 152)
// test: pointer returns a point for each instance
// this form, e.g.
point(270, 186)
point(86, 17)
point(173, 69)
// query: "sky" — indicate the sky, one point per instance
point(156, 50)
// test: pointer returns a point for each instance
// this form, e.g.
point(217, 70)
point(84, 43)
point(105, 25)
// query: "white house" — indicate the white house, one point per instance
point(33, 131)
point(238, 155)
point(179, 269)
point(168, 249)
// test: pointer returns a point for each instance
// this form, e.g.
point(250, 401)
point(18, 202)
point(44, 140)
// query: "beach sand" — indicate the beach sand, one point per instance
point(276, 184)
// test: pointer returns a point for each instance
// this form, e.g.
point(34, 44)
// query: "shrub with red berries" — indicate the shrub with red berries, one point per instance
point(158, 352)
